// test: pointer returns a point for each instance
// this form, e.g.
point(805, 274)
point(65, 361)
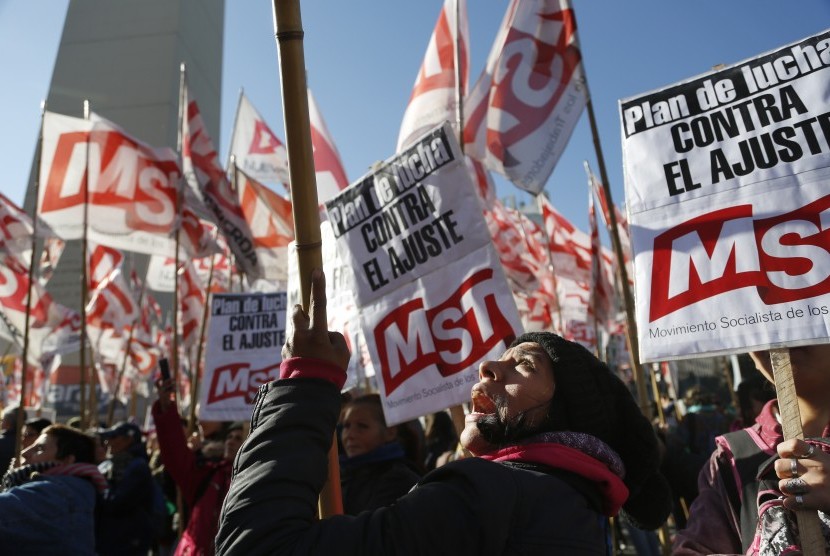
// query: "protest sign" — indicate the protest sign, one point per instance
point(245, 339)
point(427, 338)
point(726, 187)
point(417, 212)
point(432, 295)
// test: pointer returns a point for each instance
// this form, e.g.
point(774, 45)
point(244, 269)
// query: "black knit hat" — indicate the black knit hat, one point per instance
point(589, 398)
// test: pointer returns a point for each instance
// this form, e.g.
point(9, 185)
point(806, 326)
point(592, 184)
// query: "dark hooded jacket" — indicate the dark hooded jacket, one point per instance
point(514, 502)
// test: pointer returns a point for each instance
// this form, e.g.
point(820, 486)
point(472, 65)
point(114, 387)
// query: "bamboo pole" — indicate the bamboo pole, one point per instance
point(289, 34)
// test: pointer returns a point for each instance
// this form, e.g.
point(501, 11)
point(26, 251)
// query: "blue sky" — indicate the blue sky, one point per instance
point(362, 58)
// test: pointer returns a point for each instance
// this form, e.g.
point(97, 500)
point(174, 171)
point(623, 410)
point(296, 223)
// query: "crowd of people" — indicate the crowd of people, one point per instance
point(554, 446)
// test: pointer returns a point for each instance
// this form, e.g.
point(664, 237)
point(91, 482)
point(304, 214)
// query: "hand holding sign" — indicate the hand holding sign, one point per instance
point(311, 337)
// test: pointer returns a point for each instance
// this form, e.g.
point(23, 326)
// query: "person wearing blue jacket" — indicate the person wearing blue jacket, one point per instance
point(47, 505)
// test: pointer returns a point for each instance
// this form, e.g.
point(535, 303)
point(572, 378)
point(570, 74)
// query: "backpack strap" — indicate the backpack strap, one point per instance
point(742, 485)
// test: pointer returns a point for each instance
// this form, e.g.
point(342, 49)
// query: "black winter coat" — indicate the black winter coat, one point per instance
point(471, 506)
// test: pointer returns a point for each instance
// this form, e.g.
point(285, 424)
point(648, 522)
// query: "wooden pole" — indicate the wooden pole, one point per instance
point(622, 272)
point(459, 76)
point(123, 369)
point(84, 286)
point(21, 409)
point(195, 376)
point(551, 266)
point(174, 356)
point(289, 33)
point(809, 526)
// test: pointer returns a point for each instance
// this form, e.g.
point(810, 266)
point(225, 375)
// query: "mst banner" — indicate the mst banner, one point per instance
point(416, 213)
point(245, 338)
point(432, 296)
point(727, 188)
point(428, 337)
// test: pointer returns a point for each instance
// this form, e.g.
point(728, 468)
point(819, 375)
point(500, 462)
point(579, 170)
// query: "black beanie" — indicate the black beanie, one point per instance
point(589, 398)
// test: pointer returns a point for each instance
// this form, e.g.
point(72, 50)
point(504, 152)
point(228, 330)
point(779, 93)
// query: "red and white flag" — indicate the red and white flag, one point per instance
point(192, 299)
point(257, 150)
point(602, 290)
point(16, 230)
point(269, 216)
point(527, 101)
point(111, 303)
point(435, 96)
point(622, 222)
point(331, 176)
point(208, 181)
point(130, 187)
point(570, 247)
point(53, 328)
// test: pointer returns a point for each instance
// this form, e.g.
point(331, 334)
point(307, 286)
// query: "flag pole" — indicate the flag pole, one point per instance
point(21, 410)
point(174, 356)
point(84, 284)
point(289, 34)
point(194, 379)
point(628, 299)
point(235, 120)
point(123, 369)
point(551, 267)
point(459, 76)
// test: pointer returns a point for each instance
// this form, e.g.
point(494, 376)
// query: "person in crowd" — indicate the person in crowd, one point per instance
point(754, 392)
point(744, 498)
point(47, 505)
point(441, 438)
point(124, 515)
point(31, 431)
point(8, 437)
point(202, 482)
point(375, 471)
point(560, 445)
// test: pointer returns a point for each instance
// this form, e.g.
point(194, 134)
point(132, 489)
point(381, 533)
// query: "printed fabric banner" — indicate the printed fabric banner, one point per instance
point(245, 339)
point(726, 183)
point(129, 186)
point(418, 212)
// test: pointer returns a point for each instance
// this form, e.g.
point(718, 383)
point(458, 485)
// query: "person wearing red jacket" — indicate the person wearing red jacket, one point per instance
point(203, 484)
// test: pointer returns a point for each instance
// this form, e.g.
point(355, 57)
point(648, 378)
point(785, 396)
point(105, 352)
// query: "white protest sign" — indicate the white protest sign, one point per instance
point(428, 337)
point(727, 190)
point(431, 291)
point(245, 339)
point(416, 213)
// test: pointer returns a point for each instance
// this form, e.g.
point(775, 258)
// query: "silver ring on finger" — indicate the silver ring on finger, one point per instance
point(794, 468)
point(799, 500)
point(811, 450)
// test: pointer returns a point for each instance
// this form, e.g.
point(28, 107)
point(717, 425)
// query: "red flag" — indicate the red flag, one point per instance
point(272, 225)
point(602, 290)
point(131, 187)
point(525, 105)
point(434, 97)
point(570, 248)
point(208, 181)
point(257, 150)
point(331, 176)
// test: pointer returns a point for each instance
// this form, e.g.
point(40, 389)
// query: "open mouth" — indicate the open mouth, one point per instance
point(482, 404)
